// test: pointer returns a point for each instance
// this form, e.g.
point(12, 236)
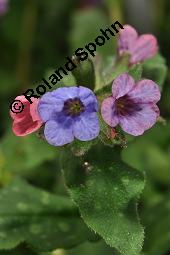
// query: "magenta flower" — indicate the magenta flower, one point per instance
point(69, 113)
point(3, 7)
point(132, 105)
point(140, 48)
point(28, 121)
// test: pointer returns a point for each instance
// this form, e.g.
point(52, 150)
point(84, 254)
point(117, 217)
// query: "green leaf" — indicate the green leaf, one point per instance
point(25, 152)
point(98, 248)
point(107, 69)
point(105, 78)
point(84, 73)
point(44, 221)
point(155, 69)
point(110, 136)
point(157, 241)
point(92, 21)
point(79, 148)
point(106, 192)
point(67, 80)
point(136, 71)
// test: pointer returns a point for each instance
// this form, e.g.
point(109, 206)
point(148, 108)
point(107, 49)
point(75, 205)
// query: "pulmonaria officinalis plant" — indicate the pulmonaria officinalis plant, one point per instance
point(89, 124)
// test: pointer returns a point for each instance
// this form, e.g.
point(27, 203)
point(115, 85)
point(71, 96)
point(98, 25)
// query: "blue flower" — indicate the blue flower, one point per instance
point(68, 113)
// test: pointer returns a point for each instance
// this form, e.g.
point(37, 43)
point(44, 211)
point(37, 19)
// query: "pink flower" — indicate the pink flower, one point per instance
point(140, 48)
point(132, 105)
point(3, 7)
point(28, 121)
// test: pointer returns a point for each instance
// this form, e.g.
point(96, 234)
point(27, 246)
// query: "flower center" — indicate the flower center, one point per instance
point(73, 107)
point(126, 106)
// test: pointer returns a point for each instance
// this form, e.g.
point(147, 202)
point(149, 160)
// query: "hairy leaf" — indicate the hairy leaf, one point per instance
point(106, 191)
point(136, 71)
point(79, 148)
point(84, 73)
point(67, 80)
point(107, 69)
point(110, 136)
point(43, 220)
point(155, 69)
point(25, 152)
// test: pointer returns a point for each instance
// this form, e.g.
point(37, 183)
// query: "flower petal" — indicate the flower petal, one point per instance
point(156, 109)
point(25, 127)
point(145, 91)
point(86, 127)
point(122, 85)
point(19, 116)
point(49, 104)
point(88, 98)
point(28, 120)
point(34, 110)
point(127, 39)
point(65, 93)
point(142, 120)
point(58, 134)
point(145, 47)
point(108, 112)
point(3, 7)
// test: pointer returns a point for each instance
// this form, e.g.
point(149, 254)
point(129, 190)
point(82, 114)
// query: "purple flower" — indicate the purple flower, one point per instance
point(3, 7)
point(69, 113)
point(132, 105)
point(140, 48)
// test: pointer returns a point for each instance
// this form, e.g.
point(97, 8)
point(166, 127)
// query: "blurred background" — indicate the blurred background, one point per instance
point(36, 36)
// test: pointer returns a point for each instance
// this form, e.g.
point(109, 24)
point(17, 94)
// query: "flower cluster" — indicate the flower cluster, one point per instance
point(70, 113)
